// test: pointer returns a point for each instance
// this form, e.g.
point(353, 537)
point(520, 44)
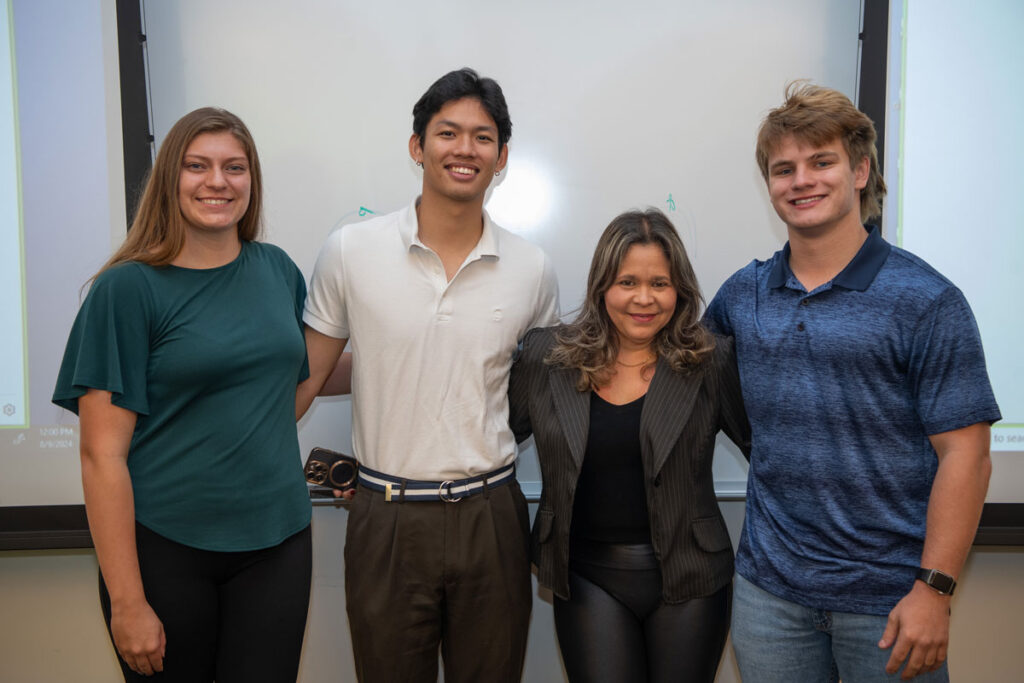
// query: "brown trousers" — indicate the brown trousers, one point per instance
point(421, 575)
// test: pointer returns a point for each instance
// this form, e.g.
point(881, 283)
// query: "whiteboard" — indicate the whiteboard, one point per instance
point(614, 106)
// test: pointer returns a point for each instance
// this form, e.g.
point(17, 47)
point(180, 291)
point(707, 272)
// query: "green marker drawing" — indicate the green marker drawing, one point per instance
point(671, 202)
point(363, 211)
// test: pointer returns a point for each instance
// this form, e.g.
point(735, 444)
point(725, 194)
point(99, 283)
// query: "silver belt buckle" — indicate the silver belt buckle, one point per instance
point(446, 495)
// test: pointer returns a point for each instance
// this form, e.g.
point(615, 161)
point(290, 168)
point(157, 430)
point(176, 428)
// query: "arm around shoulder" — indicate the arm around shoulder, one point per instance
point(525, 366)
point(734, 420)
point(326, 362)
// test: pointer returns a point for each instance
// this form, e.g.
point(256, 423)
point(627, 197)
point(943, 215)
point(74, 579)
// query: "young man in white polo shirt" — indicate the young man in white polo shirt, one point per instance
point(434, 299)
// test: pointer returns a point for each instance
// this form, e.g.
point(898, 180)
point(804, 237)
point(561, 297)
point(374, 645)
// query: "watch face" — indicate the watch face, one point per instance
point(942, 582)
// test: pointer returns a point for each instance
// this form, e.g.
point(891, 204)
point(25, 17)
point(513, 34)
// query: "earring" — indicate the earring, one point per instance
point(420, 164)
point(497, 173)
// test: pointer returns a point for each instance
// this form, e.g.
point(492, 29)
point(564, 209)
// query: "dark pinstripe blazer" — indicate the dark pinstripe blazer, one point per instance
point(682, 413)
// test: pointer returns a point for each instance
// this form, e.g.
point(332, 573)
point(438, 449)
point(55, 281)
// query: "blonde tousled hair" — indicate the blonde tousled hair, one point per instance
point(817, 116)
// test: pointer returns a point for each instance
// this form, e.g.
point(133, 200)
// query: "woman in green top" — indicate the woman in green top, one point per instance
point(182, 365)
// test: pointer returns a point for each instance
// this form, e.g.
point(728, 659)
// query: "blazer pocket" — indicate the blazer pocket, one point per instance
point(711, 534)
point(543, 524)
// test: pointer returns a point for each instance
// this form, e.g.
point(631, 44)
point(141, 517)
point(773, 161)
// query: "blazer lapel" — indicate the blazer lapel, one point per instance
point(573, 410)
point(667, 409)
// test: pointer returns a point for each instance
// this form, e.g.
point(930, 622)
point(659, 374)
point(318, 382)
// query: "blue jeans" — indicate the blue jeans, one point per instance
point(777, 641)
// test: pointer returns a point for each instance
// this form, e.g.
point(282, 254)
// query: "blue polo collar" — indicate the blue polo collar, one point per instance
point(858, 274)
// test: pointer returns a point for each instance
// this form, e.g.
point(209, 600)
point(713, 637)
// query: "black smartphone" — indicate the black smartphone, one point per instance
point(325, 467)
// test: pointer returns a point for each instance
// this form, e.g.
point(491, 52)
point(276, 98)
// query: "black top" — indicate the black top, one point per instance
point(682, 413)
point(611, 503)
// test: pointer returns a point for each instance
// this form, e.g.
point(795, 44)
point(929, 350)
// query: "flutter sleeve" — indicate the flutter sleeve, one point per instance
point(109, 344)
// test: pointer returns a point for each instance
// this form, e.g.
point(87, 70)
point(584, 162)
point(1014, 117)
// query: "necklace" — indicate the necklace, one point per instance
point(634, 365)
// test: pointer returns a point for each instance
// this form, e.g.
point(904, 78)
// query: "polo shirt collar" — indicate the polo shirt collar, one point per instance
point(408, 229)
point(858, 274)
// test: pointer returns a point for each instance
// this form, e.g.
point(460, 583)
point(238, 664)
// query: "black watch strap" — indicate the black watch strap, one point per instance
point(939, 581)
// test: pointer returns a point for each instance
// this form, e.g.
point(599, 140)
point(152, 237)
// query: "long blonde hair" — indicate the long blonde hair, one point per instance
point(590, 343)
point(157, 233)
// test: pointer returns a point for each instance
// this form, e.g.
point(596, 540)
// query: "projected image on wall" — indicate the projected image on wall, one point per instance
point(13, 390)
point(959, 172)
point(61, 214)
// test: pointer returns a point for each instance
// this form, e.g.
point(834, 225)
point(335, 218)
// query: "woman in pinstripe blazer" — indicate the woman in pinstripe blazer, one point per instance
point(624, 405)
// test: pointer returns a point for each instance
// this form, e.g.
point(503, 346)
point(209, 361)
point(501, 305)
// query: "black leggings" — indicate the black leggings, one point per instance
point(615, 626)
point(227, 616)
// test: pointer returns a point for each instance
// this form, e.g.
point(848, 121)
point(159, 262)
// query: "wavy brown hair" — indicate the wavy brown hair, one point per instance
point(157, 233)
point(817, 116)
point(590, 343)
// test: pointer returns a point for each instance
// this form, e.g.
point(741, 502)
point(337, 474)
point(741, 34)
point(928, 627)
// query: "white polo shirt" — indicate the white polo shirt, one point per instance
point(431, 358)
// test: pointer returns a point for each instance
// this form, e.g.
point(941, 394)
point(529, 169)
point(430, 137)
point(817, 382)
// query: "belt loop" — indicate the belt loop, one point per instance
point(487, 491)
point(401, 491)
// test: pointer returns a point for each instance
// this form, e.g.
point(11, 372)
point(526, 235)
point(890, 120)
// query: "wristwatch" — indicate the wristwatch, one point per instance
point(939, 581)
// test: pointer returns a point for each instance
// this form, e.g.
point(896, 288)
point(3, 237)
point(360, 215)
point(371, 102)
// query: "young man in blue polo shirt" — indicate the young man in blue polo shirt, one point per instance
point(865, 383)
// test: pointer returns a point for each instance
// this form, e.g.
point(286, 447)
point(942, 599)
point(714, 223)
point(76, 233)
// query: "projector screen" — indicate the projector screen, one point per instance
point(61, 213)
point(13, 373)
point(615, 107)
point(954, 147)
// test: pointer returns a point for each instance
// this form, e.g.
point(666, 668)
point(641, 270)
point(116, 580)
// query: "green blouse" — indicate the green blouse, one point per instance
point(209, 361)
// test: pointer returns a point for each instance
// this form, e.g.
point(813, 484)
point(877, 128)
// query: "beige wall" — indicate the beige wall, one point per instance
point(51, 630)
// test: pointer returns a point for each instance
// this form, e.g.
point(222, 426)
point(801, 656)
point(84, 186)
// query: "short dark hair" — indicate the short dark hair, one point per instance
point(455, 85)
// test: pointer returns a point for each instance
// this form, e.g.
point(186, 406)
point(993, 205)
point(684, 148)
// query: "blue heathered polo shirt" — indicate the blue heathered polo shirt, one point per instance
point(843, 385)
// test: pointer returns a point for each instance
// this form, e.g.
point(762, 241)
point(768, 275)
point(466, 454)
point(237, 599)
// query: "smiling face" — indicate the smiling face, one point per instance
point(813, 187)
point(215, 182)
point(641, 300)
point(459, 151)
